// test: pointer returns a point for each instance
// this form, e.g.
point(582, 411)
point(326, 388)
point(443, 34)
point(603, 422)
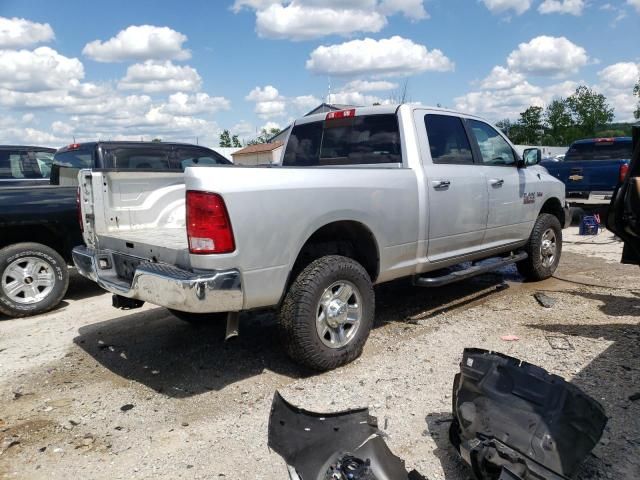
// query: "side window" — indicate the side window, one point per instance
point(44, 161)
point(18, 164)
point(448, 140)
point(494, 149)
point(190, 157)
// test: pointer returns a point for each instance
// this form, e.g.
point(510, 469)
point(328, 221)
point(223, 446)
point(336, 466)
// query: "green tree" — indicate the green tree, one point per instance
point(589, 109)
point(559, 119)
point(235, 142)
point(264, 136)
point(505, 125)
point(636, 92)
point(531, 124)
point(225, 139)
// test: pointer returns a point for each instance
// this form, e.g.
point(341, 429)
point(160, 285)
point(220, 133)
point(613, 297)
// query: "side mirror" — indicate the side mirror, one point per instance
point(532, 156)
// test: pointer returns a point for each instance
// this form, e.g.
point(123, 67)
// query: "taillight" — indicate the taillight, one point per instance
point(624, 169)
point(208, 225)
point(79, 209)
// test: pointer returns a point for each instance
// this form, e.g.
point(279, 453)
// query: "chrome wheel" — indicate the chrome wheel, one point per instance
point(339, 314)
point(548, 247)
point(28, 280)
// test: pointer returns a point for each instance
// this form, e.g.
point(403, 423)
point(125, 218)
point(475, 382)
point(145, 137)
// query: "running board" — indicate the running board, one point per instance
point(422, 281)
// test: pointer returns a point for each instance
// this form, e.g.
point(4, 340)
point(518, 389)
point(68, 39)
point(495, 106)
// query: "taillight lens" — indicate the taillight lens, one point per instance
point(624, 169)
point(208, 225)
point(79, 209)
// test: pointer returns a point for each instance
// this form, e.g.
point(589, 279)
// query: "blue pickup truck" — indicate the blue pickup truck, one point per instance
point(592, 169)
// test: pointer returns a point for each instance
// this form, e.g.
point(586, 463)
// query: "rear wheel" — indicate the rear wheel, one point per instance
point(33, 279)
point(544, 249)
point(328, 313)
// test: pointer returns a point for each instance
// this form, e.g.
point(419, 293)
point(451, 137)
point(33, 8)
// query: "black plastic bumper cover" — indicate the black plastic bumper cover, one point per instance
point(319, 446)
point(514, 420)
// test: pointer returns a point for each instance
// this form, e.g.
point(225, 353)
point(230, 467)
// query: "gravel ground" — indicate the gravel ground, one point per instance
point(88, 391)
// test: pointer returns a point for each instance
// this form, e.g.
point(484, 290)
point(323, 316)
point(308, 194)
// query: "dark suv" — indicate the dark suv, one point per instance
point(38, 215)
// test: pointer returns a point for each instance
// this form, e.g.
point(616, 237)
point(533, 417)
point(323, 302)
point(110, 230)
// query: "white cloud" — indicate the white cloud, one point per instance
point(304, 103)
point(37, 70)
point(269, 102)
point(571, 7)
point(635, 4)
point(152, 76)
point(263, 94)
point(19, 33)
point(550, 56)
point(182, 104)
point(243, 129)
point(369, 86)
point(355, 98)
point(503, 6)
point(616, 83)
point(307, 19)
point(269, 125)
point(297, 22)
point(393, 56)
point(501, 78)
point(622, 76)
point(412, 9)
point(139, 42)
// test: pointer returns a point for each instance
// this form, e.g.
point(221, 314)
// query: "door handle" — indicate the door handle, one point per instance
point(497, 182)
point(441, 184)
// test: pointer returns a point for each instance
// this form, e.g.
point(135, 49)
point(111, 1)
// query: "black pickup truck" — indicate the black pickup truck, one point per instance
point(39, 215)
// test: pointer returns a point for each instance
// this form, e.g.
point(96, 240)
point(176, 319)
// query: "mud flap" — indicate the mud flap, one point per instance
point(514, 420)
point(340, 446)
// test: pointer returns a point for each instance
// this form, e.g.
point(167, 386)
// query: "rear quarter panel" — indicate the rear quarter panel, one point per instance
point(274, 211)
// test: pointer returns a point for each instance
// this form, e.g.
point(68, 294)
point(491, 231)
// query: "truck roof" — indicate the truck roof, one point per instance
point(604, 139)
point(381, 109)
point(30, 147)
point(76, 146)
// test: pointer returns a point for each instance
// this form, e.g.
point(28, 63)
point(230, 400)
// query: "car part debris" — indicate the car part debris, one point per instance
point(544, 300)
point(332, 446)
point(514, 420)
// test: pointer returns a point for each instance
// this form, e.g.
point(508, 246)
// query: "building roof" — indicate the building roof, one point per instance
point(258, 148)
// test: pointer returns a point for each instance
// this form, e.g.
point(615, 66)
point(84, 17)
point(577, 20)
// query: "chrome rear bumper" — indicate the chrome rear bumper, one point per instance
point(161, 284)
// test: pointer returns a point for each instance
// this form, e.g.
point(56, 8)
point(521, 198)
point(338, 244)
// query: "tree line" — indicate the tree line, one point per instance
point(229, 140)
point(585, 113)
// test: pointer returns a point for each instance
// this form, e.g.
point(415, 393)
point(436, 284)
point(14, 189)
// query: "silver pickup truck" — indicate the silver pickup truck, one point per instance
point(361, 197)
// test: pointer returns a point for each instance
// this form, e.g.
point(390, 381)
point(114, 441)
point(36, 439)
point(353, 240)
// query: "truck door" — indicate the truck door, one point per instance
point(457, 197)
point(512, 192)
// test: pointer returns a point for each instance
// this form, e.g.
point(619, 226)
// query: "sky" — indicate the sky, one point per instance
point(184, 71)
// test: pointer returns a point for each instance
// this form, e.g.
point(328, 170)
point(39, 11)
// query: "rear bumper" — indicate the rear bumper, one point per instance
point(589, 198)
point(164, 285)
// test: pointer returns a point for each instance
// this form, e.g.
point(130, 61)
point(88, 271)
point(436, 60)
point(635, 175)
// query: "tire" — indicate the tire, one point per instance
point(539, 265)
point(321, 291)
point(200, 319)
point(20, 294)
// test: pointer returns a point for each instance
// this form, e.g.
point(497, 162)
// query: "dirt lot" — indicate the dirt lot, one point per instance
point(88, 391)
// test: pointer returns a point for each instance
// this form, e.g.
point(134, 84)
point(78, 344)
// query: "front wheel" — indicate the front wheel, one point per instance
point(544, 249)
point(328, 313)
point(33, 279)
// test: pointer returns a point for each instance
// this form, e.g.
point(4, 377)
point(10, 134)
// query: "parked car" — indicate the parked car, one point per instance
point(39, 215)
point(624, 209)
point(363, 196)
point(591, 169)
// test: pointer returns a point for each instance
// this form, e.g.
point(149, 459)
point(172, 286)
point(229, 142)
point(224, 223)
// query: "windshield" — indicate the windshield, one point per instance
point(363, 140)
point(616, 150)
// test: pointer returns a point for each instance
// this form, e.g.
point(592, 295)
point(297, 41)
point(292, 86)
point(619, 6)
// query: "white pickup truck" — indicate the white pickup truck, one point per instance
point(361, 197)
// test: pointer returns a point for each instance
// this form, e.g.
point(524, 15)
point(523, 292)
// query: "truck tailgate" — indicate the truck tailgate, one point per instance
point(141, 214)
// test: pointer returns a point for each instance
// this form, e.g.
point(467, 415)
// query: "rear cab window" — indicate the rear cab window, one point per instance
point(67, 164)
point(356, 140)
point(168, 157)
point(602, 149)
point(25, 164)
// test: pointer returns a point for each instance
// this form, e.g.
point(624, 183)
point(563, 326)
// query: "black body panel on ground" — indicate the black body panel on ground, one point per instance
point(515, 420)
